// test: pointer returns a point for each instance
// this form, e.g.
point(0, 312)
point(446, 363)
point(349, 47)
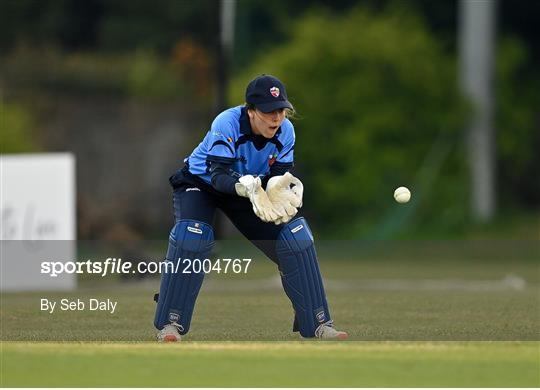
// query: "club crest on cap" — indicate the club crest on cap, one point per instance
point(274, 91)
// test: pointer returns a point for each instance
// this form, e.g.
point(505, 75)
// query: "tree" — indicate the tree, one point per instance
point(379, 105)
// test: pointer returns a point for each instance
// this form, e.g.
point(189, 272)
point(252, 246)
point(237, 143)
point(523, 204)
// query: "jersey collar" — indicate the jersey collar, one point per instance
point(245, 126)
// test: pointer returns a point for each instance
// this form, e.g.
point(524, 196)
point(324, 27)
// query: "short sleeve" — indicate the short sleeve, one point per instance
point(221, 138)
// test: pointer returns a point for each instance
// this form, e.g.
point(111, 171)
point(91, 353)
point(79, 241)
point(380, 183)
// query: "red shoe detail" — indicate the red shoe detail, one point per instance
point(342, 336)
point(170, 338)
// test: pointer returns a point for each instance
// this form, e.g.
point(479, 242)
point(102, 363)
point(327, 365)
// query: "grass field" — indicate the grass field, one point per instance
point(257, 364)
point(461, 321)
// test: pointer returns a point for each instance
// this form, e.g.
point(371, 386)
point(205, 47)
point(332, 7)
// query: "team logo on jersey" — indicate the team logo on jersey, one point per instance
point(272, 159)
point(274, 91)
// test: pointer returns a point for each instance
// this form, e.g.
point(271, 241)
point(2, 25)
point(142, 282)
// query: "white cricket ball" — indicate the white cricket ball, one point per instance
point(402, 195)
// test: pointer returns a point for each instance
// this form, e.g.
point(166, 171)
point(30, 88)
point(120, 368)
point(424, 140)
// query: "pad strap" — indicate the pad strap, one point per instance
point(301, 276)
point(189, 239)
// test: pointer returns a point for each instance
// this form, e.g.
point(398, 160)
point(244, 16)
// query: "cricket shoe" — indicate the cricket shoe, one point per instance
point(169, 334)
point(327, 331)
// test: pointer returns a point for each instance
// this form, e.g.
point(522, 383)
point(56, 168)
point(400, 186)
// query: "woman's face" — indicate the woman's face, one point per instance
point(266, 124)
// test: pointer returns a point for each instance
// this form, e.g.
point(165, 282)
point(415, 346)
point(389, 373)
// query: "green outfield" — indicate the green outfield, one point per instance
point(259, 364)
point(383, 300)
point(453, 321)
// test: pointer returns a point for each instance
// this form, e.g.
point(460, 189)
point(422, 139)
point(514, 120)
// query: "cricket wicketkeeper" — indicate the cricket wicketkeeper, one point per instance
point(247, 149)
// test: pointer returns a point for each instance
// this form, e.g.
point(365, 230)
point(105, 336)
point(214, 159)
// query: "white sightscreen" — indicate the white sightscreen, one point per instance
point(37, 219)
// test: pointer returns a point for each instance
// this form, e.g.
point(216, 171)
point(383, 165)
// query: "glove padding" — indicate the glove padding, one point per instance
point(285, 192)
point(250, 187)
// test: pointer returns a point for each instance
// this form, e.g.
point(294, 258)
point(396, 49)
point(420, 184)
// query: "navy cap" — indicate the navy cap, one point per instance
point(267, 93)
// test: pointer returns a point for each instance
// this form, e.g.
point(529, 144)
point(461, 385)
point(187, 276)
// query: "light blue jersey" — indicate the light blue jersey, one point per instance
point(230, 140)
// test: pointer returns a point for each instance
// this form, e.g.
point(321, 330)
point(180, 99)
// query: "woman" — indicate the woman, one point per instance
point(247, 149)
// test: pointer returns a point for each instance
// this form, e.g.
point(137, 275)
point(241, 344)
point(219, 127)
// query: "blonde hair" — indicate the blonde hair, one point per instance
point(290, 113)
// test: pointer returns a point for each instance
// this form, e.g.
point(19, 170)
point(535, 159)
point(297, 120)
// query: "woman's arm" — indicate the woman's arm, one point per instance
point(221, 180)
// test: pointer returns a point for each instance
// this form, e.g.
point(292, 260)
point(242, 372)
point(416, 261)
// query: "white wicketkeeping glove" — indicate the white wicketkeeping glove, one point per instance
point(250, 187)
point(285, 192)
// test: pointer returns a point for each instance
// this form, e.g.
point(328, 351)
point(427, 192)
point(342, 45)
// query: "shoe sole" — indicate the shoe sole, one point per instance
point(340, 336)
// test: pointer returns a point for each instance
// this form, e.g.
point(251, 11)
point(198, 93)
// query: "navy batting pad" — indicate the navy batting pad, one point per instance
point(189, 239)
point(301, 276)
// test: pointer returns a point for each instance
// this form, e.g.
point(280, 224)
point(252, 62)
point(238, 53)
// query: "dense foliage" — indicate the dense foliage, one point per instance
point(379, 107)
point(375, 89)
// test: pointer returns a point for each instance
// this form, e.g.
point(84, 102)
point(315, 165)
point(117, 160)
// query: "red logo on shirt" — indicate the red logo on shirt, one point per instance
point(272, 159)
point(274, 91)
